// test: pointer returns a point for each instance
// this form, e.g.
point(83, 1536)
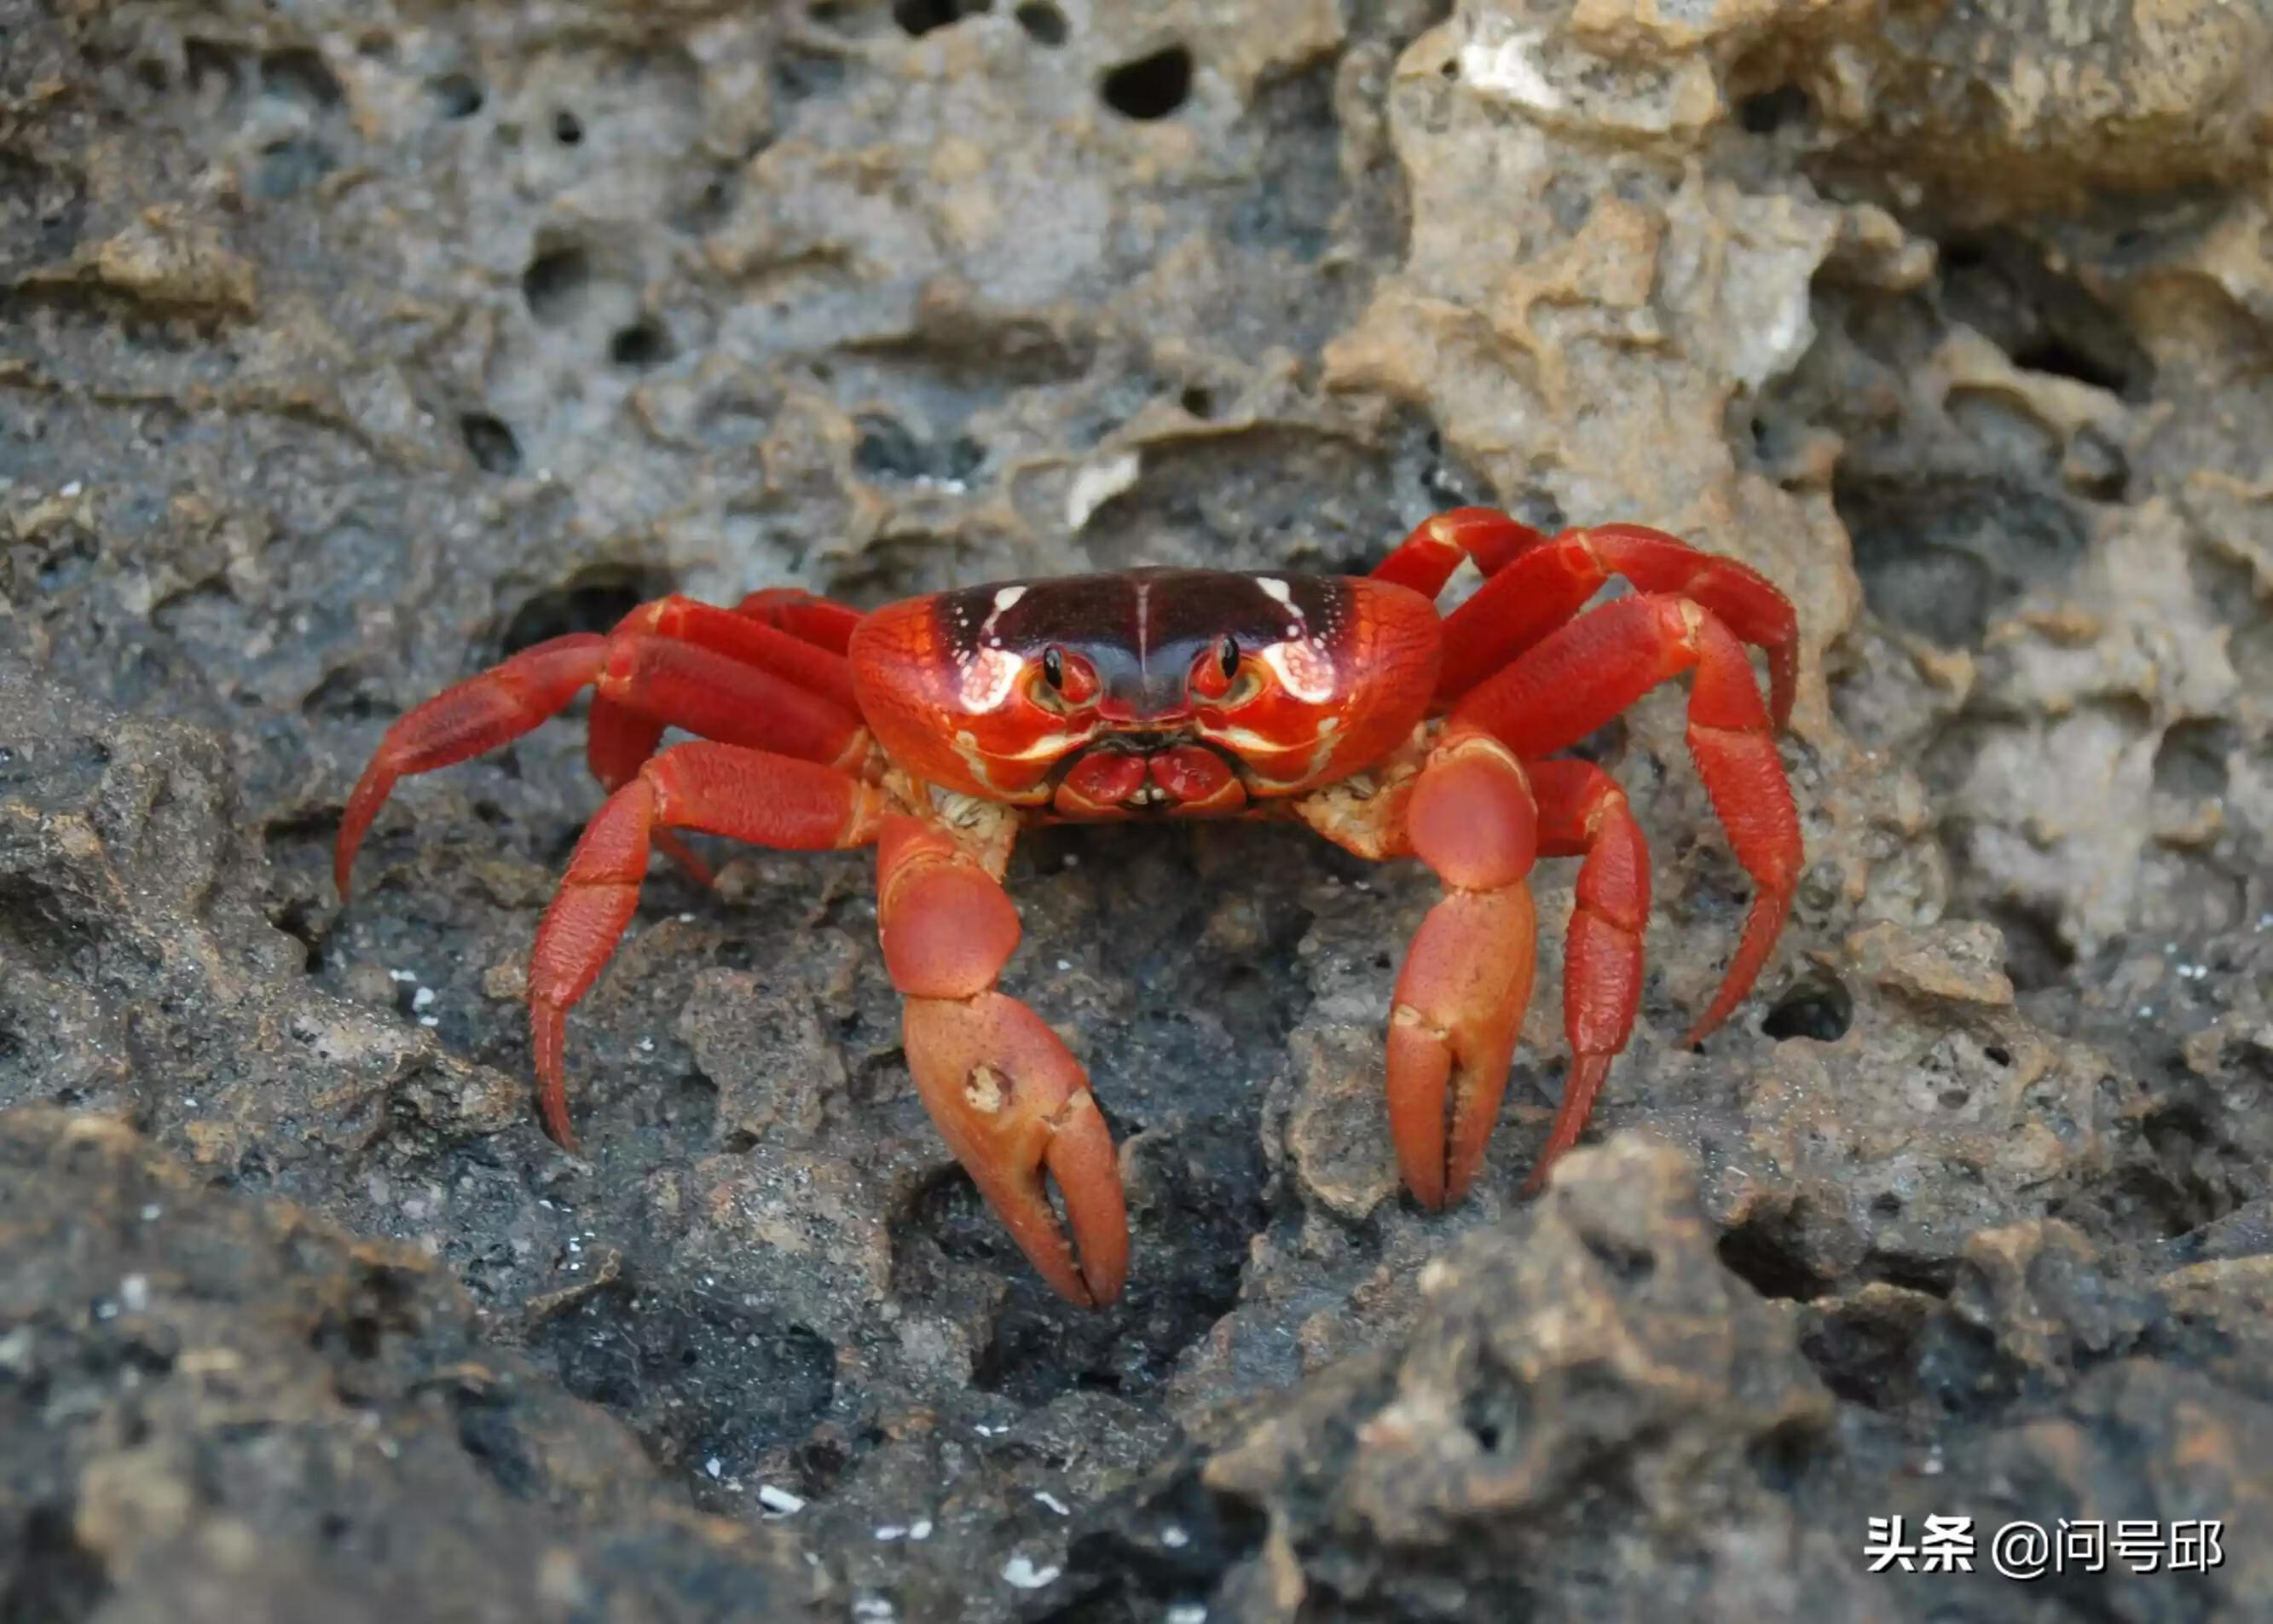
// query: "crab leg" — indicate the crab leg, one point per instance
point(652, 681)
point(1589, 670)
point(635, 673)
point(749, 638)
point(742, 794)
point(802, 615)
point(1425, 559)
point(1460, 998)
point(1534, 583)
point(1582, 813)
point(1010, 1101)
point(1531, 594)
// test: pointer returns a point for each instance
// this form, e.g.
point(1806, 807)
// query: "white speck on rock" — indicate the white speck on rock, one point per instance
point(422, 998)
point(134, 1293)
point(1175, 1537)
point(920, 1529)
point(1021, 1571)
point(1098, 483)
point(1509, 68)
point(779, 1499)
point(713, 1466)
point(1053, 1503)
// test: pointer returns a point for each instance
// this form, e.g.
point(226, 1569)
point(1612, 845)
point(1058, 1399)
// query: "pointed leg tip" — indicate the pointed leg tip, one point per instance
point(1102, 1286)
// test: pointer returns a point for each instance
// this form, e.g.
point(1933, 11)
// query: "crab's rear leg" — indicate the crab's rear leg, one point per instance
point(742, 794)
point(1009, 1098)
point(1591, 670)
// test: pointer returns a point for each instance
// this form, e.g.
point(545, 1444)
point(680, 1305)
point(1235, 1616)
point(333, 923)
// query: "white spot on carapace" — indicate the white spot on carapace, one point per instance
point(1273, 588)
point(1302, 669)
point(988, 679)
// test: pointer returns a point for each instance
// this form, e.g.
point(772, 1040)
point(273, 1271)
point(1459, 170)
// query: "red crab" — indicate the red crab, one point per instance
point(936, 726)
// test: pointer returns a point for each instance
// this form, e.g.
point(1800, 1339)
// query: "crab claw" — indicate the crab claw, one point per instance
point(1453, 1031)
point(1014, 1104)
point(1460, 997)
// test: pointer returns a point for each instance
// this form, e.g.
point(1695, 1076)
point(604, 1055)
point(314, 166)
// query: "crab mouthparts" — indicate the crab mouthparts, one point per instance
point(1150, 772)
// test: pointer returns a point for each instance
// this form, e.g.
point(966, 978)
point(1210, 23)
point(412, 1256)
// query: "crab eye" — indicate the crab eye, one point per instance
point(1072, 677)
point(1215, 668)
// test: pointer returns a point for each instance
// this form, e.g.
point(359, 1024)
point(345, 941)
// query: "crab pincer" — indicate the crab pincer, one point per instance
point(1006, 1095)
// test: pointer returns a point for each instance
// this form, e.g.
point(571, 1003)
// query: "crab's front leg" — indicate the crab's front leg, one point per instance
point(1007, 1095)
point(1460, 998)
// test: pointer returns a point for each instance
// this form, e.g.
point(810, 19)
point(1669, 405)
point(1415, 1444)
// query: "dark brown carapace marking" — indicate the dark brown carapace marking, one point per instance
point(1147, 691)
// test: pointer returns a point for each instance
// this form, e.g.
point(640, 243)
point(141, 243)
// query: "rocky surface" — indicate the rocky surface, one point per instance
point(347, 349)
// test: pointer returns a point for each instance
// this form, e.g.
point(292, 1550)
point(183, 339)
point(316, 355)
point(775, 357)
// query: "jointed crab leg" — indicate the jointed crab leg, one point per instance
point(1582, 813)
point(1536, 582)
point(744, 794)
point(1460, 997)
point(1588, 671)
point(748, 640)
point(1524, 600)
point(643, 682)
point(1008, 1097)
point(1426, 558)
point(817, 620)
point(652, 682)
point(461, 722)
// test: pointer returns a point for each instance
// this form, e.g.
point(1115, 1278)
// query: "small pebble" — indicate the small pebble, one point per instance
point(890, 1532)
point(920, 1529)
point(1175, 1537)
point(1053, 1503)
point(713, 1466)
point(778, 1500)
point(1186, 1612)
point(429, 1021)
point(422, 998)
